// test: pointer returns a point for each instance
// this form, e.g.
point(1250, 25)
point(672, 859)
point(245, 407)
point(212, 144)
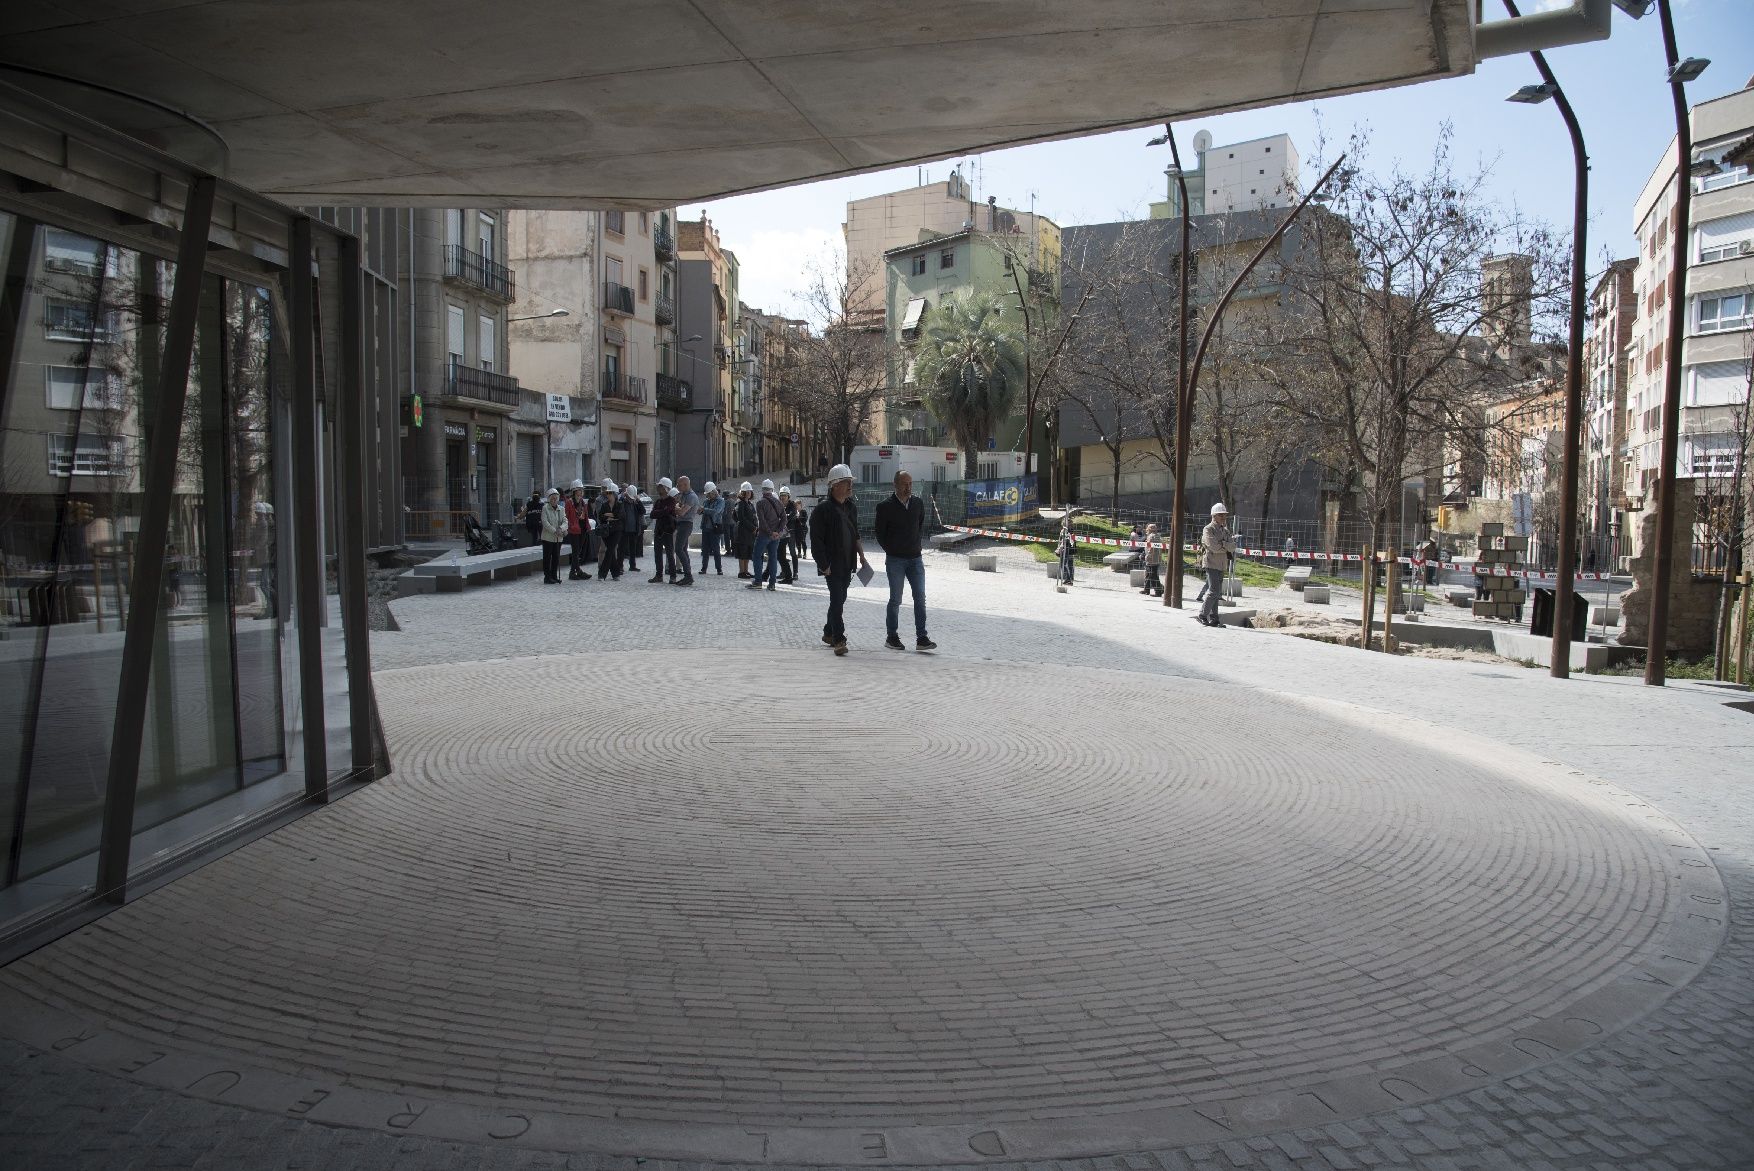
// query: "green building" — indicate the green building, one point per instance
point(1020, 269)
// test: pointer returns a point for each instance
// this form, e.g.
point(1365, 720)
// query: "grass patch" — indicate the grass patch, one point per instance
point(1675, 669)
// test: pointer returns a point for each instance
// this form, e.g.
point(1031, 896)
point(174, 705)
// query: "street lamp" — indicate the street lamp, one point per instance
point(1183, 411)
point(541, 316)
point(1680, 72)
point(1565, 583)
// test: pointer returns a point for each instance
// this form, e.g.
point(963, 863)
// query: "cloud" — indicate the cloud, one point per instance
point(774, 265)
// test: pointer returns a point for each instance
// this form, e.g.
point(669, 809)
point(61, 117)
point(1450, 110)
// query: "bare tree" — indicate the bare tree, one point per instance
point(1048, 325)
point(836, 376)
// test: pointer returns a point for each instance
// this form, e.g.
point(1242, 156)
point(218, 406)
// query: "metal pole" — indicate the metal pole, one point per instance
point(157, 488)
point(1657, 644)
point(1184, 414)
point(308, 564)
point(1565, 588)
point(353, 418)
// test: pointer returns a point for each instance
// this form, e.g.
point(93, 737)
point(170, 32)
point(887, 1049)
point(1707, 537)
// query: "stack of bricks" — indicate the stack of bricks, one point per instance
point(1500, 597)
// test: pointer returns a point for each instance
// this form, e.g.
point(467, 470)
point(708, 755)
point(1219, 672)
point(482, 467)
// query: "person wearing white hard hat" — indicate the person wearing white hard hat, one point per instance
point(712, 524)
point(783, 548)
point(770, 529)
point(553, 536)
point(607, 513)
point(663, 532)
point(633, 526)
point(687, 510)
point(1217, 552)
point(578, 531)
point(837, 551)
point(744, 524)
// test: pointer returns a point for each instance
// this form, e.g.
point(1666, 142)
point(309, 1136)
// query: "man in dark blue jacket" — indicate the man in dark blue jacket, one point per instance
point(901, 530)
point(835, 545)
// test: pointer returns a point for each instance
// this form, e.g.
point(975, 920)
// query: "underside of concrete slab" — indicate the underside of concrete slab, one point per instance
point(557, 103)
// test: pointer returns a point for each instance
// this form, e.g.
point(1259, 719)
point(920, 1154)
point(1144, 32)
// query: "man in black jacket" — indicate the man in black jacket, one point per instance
point(901, 529)
point(834, 543)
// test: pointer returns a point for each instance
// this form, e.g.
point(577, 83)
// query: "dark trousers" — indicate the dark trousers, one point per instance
point(577, 543)
point(1153, 582)
point(712, 544)
point(631, 540)
point(835, 628)
point(1067, 562)
point(1214, 587)
point(610, 563)
point(550, 561)
point(663, 552)
point(789, 550)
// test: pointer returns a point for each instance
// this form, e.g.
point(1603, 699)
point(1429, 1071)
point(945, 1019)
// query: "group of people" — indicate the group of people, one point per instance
point(766, 534)
point(1215, 556)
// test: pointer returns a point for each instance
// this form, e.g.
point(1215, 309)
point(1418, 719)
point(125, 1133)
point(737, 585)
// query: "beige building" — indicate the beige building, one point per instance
point(1613, 310)
point(614, 275)
point(1719, 327)
point(718, 427)
point(876, 225)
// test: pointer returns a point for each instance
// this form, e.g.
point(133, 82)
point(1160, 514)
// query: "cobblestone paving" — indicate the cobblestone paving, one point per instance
point(1670, 1087)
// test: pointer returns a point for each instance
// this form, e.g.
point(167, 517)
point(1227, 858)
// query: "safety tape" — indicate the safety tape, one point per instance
point(1129, 543)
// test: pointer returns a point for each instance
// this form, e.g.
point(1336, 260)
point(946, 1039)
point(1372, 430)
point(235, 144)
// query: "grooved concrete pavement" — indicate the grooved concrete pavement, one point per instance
point(1112, 875)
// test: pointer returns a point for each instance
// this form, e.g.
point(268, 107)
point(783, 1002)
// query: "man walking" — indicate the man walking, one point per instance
point(901, 530)
point(1217, 551)
point(687, 509)
point(609, 533)
point(834, 543)
point(770, 517)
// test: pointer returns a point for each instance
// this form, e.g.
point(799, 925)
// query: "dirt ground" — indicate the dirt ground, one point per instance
point(1324, 628)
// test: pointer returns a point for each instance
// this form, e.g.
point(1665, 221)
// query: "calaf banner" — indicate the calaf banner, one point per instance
point(1001, 500)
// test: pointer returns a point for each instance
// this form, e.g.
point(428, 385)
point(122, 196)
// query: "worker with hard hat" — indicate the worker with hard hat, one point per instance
point(1217, 552)
point(712, 524)
point(837, 550)
point(607, 514)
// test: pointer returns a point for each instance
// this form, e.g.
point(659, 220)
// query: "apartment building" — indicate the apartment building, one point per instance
point(1613, 312)
point(1719, 321)
point(1242, 176)
point(711, 442)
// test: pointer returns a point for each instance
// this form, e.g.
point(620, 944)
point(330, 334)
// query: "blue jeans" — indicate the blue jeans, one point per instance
point(766, 547)
point(710, 544)
point(911, 570)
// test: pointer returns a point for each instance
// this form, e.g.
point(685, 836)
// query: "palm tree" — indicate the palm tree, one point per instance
point(969, 367)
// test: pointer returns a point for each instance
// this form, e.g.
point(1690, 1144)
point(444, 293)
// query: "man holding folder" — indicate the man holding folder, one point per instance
point(835, 545)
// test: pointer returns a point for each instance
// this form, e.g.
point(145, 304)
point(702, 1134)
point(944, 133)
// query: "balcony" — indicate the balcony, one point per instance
point(617, 298)
point(663, 244)
point(475, 270)
point(665, 309)
point(674, 394)
point(483, 386)
point(623, 388)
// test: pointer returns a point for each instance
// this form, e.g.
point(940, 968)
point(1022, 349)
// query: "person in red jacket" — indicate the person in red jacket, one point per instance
point(578, 529)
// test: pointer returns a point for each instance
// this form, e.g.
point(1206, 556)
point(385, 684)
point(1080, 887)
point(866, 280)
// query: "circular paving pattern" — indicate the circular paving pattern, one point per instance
point(894, 907)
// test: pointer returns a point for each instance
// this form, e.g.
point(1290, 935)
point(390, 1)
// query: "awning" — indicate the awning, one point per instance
point(910, 320)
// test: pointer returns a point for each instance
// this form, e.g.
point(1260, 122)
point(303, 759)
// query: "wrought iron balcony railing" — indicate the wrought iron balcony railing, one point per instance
point(665, 309)
point(617, 298)
point(663, 244)
point(472, 268)
point(481, 385)
point(674, 393)
point(619, 386)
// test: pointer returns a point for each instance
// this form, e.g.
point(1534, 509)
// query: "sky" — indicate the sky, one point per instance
point(1616, 87)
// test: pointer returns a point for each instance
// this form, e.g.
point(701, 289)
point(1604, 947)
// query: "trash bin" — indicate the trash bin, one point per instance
point(1543, 603)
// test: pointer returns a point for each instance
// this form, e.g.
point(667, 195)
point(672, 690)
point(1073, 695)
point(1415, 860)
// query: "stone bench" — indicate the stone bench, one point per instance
point(1317, 594)
point(450, 573)
point(984, 562)
point(1120, 562)
point(1459, 595)
point(1297, 576)
point(1605, 615)
point(950, 540)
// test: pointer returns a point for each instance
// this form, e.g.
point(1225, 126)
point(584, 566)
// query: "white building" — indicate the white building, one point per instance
point(1243, 176)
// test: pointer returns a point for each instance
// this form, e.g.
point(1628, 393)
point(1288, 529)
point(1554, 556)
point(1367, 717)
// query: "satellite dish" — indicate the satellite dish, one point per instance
point(1202, 142)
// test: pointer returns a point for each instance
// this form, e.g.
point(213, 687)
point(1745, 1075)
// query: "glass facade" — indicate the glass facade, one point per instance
point(256, 634)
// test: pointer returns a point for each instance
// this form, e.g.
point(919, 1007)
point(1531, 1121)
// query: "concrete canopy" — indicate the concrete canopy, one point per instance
point(586, 103)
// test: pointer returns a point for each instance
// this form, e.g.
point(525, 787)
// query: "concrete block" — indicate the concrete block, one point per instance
point(409, 584)
point(1297, 576)
point(1605, 615)
point(949, 540)
point(449, 584)
point(984, 562)
point(1316, 594)
point(1459, 595)
point(1120, 562)
point(1492, 529)
point(1233, 587)
point(1053, 568)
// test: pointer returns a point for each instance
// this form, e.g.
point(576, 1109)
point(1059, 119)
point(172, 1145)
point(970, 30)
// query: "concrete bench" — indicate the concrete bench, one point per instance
point(1459, 596)
point(1120, 562)
point(984, 562)
point(1605, 615)
point(1317, 594)
point(949, 540)
point(450, 573)
point(1136, 579)
point(1297, 576)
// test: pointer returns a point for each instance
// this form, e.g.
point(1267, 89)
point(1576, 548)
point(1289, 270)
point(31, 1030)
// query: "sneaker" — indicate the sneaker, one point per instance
point(684, 581)
point(840, 646)
point(770, 587)
point(745, 576)
point(893, 642)
point(754, 585)
point(925, 644)
point(584, 577)
point(828, 639)
point(655, 579)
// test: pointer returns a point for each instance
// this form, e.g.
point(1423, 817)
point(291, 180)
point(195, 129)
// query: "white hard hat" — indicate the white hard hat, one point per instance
point(711, 487)
point(552, 492)
point(746, 487)
point(578, 483)
point(664, 482)
point(608, 483)
point(264, 508)
point(1219, 509)
point(839, 472)
point(767, 485)
point(785, 490)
